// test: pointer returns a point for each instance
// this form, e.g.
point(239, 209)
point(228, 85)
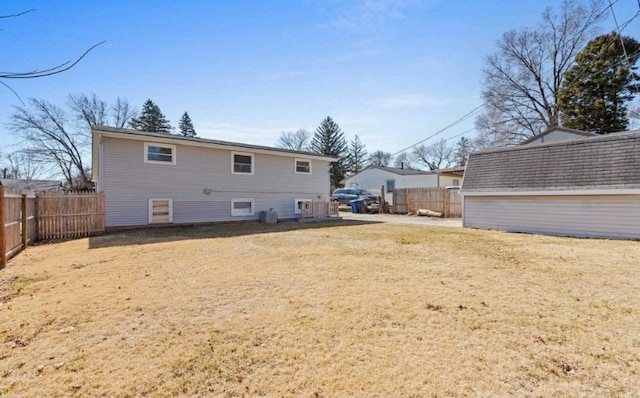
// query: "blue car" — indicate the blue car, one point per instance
point(345, 195)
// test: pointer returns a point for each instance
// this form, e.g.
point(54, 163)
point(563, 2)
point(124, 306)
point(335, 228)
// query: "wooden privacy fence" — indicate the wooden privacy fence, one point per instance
point(28, 217)
point(442, 200)
point(69, 215)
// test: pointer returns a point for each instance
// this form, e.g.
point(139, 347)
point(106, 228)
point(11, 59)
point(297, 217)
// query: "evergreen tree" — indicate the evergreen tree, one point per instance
point(186, 126)
point(151, 119)
point(329, 140)
point(357, 155)
point(598, 86)
point(462, 151)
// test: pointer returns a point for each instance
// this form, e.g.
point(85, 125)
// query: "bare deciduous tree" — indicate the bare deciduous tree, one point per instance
point(19, 165)
point(60, 139)
point(380, 158)
point(49, 140)
point(92, 111)
point(435, 156)
point(522, 78)
point(403, 160)
point(296, 141)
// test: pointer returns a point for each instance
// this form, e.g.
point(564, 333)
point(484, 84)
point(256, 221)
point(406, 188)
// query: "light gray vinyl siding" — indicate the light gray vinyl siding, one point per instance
point(129, 183)
point(609, 216)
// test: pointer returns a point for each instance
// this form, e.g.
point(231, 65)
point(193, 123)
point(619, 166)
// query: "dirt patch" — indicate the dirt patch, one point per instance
point(322, 310)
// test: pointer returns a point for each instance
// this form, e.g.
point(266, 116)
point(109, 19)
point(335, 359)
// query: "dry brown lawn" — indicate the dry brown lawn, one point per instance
point(322, 311)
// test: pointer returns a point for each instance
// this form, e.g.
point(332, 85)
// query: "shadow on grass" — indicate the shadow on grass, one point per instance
point(148, 235)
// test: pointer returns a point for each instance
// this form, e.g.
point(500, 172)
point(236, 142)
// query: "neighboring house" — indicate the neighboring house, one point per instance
point(587, 188)
point(153, 178)
point(31, 185)
point(555, 134)
point(372, 178)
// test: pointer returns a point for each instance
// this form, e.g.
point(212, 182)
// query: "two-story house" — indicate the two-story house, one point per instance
point(150, 178)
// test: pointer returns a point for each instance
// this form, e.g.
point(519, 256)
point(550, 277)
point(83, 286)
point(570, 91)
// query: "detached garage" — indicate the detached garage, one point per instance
point(584, 188)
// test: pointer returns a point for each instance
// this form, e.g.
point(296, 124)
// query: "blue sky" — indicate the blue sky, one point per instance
point(392, 72)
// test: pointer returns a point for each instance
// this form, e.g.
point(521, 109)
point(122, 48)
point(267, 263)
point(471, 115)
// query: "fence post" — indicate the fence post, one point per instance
point(447, 203)
point(36, 217)
point(3, 247)
point(25, 232)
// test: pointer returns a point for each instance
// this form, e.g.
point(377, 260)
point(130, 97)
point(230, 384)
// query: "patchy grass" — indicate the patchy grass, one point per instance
point(322, 310)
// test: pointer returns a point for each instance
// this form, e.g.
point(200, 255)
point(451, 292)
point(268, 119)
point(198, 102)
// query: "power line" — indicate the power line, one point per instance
point(457, 121)
point(475, 110)
point(615, 20)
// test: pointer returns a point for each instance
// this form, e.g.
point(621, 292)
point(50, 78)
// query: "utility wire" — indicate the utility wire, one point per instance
point(475, 110)
point(457, 121)
point(615, 20)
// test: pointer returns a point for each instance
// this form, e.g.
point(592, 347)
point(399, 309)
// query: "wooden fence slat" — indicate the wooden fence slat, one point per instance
point(26, 217)
point(71, 215)
point(441, 200)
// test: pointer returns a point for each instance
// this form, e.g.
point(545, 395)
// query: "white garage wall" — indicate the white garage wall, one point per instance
point(611, 216)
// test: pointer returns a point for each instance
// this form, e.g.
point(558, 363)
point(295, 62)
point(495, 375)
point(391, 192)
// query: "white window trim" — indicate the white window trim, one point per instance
point(253, 163)
point(146, 153)
point(151, 200)
point(236, 213)
point(297, 210)
point(386, 185)
point(295, 165)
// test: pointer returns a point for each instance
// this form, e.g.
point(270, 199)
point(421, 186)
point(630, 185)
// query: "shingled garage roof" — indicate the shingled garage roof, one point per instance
point(605, 162)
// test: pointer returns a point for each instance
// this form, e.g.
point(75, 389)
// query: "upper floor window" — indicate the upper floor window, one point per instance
point(159, 153)
point(241, 163)
point(303, 166)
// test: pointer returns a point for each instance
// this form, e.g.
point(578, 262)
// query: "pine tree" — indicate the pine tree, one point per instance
point(151, 119)
point(462, 151)
point(186, 126)
point(329, 140)
point(597, 88)
point(356, 156)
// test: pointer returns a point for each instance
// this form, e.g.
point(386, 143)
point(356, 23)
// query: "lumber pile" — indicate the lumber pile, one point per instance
point(428, 213)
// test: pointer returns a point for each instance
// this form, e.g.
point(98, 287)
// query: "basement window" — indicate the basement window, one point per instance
point(160, 211)
point(242, 207)
point(299, 202)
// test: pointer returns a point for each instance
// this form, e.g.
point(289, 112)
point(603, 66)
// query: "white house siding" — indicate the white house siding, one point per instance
point(420, 181)
point(129, 183)
point(609, 216)
point(371, 180)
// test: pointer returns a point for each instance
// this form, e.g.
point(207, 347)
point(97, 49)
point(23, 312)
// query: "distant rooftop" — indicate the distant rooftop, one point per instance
point(31, 185)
